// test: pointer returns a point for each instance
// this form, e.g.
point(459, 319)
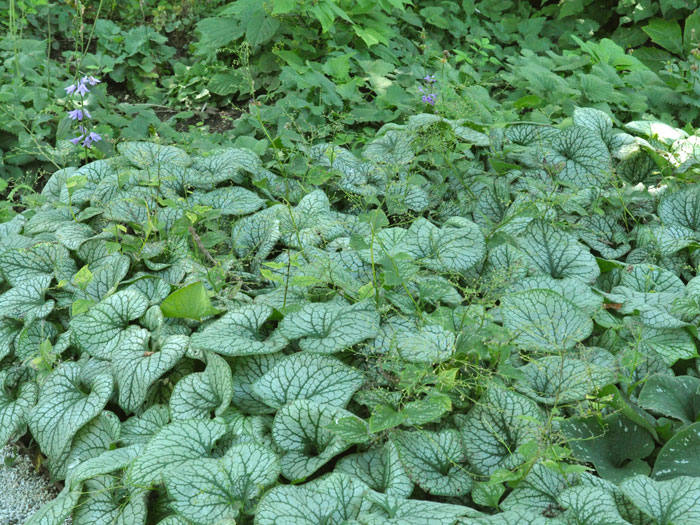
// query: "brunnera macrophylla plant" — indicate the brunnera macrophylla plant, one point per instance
point(495, 345)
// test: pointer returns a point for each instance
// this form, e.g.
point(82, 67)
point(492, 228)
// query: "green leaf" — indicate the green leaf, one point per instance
point(538, 492)
point(14, 406)
point(150, 156)
point(681, 208)
point(562, 380)
point(299, 430)
point(680, 456)
point(308, 376)
point(27, 302)
point(609, 443)
point(556, 253)
point(331, 499)
point(434, 461)
point(592, 505)
point(584, 155)
point(39, 261)
point(100, 330)
point(456, 247)
point(136, 367)
point(665, 33)
point(394, 147)
point(99, 505)
point(677, 397)
point(231, 200)
point(189, 302)
point(199, 394)
point(210, 490)
point(65, 405)
point(171, 447)
point(542, 320)
point(238, 333)
point(327, 328)
point(671, 502)
point(495, 427)
point(432, 344)
point(385, 417)
point(260, 28)
point(380, 469)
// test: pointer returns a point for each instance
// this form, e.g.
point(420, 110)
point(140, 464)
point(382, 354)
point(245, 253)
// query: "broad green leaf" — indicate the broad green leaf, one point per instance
point(380, 469)
point(9, 330)
point(538, 492)
point(592, 505)
point(556, 253)
point(189, 302)
point(230, 200)
point(677, 397)
point(327, 328)
point(100, 330)
point(315, 377)
point(105, 501)
point(431, 344)
point(15, 404)
point(98, 436)
point(681, 208)
point(543, 321)
point(609, 443)
point(246, 372)
point(680, 456)
point(394, 147)
point(299, 430)
point(209, 490)
point(335, 498)
point(665, 33)
point(555, 380)
point(391, 510)
point(65, 405)
point(671, 502)
point(570, 288)
point(140, 429)
point(499, 423)
point(456, 247)
point(199, 394)
point(150, 156)
point(238, 333)
point(434, 461)
point(39, 261)
point(136, 366)
point(27, 301)
point(584, 155)
point(58, 509)
point(172, 446)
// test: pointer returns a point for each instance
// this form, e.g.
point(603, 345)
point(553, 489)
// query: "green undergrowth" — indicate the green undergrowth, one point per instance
point(457, 323)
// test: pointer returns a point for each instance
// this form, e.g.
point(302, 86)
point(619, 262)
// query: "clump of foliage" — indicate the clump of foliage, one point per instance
point(457, 325)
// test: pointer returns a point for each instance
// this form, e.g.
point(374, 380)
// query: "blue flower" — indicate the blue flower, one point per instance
point(431, 98)
point(429, 79)
point(81, 88)
point(90, 80)
point(79, 114)
point(77, 139)
point(71, 89)
point(92, 137)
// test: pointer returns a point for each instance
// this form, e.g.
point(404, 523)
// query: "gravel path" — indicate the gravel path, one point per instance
point(22, 491)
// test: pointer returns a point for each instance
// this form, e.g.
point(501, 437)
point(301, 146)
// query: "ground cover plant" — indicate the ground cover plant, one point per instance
point(401, 284)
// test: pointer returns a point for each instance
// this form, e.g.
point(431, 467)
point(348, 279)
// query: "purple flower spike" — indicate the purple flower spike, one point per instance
point(76, 114)
point(429, 99)
point(77, 139)
point(92, 137)
point(70, 89)
point(90, 80)
point(82, 89)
